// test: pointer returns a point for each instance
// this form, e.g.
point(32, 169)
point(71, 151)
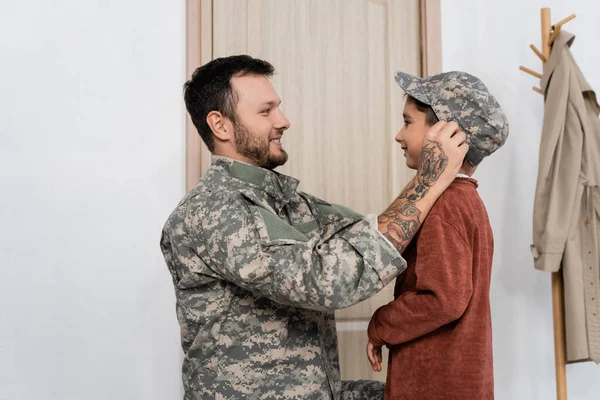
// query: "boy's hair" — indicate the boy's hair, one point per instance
point(210, 90)
point(430, 117)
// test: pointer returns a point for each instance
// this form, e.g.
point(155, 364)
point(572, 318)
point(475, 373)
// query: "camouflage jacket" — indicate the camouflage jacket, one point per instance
point(258, 269)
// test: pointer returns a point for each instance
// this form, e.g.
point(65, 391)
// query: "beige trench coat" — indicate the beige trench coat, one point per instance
point(566, 217)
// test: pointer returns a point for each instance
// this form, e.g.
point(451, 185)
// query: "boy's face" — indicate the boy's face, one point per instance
point(412, 133)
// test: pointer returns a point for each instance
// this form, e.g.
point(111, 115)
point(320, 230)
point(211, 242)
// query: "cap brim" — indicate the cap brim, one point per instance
point(412, 86)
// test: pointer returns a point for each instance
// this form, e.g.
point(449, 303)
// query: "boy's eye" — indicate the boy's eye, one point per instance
point(265, 111)
point(406, 123)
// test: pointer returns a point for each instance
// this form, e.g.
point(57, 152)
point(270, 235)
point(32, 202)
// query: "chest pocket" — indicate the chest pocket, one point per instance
point(274, 230)
point(334, 211)
point(331, 217)
point(329, 214)
point(278, 229)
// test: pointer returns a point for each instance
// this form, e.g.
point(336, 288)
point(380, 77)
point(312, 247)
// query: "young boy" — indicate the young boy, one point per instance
point(438, 328)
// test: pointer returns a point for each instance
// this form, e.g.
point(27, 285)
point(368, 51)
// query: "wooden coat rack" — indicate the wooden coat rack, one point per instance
point(549, 34)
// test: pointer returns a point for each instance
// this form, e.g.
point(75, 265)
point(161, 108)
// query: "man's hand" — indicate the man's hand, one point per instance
point(444, 150)
point(374, 354)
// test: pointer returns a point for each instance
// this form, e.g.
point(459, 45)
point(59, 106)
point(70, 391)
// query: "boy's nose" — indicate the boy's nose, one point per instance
point(398, 137)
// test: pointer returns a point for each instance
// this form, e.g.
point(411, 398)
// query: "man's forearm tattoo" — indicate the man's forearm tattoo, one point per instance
point(402, 219)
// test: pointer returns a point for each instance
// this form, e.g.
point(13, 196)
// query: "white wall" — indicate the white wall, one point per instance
point(91, 164)
point(491, 39)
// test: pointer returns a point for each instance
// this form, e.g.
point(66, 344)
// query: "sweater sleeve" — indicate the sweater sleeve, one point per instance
point(443, 289)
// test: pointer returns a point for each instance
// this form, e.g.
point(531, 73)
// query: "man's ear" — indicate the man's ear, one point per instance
point(220, 125)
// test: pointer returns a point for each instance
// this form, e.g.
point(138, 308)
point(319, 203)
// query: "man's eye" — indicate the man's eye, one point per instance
point(406, 122)
point(266, 111)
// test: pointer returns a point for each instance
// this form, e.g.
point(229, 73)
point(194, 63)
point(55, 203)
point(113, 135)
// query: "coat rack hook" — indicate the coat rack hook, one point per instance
point(538, 53)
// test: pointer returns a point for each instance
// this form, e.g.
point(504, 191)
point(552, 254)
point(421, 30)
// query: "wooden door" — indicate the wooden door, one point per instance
point(335, 62)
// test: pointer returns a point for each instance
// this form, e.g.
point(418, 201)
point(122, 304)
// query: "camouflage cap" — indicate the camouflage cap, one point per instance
point(461, 97)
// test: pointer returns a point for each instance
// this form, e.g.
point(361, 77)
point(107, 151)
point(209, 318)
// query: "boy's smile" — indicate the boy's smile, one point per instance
point(412, 133)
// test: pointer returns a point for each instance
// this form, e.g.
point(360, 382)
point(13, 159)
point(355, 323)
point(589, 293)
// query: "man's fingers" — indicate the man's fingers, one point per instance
point(448, 131)
point(435, 129)
point(442, 129)
point(459, 138)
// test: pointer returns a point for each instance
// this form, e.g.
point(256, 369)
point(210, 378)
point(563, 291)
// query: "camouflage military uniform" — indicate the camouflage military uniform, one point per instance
point(258, 269)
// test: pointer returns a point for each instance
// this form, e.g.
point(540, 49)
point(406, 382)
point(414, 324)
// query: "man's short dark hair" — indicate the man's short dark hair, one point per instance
point(430, 117)
point(210, 90)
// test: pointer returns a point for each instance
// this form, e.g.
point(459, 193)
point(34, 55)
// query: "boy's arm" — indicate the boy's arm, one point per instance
point(443, 291)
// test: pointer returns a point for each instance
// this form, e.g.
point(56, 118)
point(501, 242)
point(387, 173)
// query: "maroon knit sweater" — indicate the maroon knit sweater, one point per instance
point(439, 328)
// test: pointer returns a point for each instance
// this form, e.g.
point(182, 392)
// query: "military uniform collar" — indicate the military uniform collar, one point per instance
point(280, 187)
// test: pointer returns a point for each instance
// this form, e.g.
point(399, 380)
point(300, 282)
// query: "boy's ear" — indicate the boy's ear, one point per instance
point(220, 126)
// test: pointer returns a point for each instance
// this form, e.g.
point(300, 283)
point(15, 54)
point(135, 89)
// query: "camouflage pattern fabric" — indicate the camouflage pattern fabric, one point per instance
point(258, 269)
point(461, 97)
point(362, 390)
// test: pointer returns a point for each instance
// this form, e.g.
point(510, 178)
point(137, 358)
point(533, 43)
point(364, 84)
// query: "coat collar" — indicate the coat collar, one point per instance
point(560, 51)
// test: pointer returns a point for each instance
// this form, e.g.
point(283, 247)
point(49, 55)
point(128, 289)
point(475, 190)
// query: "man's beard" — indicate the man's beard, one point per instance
point(256, 150)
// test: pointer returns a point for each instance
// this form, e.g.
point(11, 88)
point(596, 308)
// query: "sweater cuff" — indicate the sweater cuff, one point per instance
point(372, 330)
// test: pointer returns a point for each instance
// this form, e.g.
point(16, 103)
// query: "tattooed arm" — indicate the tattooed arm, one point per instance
point(443, 153)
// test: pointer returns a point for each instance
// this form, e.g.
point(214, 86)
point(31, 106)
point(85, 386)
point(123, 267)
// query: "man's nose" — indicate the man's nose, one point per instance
point(282, 122)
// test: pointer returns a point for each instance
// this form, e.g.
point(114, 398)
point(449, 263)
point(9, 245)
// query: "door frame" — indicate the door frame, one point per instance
point(199, 52)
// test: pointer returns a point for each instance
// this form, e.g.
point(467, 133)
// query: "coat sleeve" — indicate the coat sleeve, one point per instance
point(557, 199)
point(444, 270)
point(345, 263)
